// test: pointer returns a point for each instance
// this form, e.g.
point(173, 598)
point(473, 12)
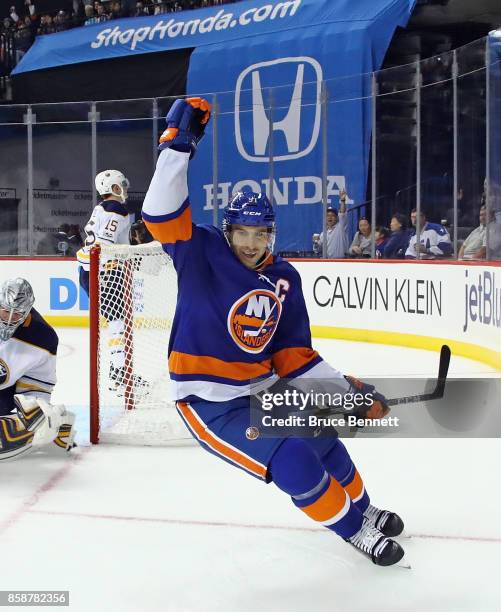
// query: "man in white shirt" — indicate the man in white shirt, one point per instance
point(337, 242)
point(475, 247)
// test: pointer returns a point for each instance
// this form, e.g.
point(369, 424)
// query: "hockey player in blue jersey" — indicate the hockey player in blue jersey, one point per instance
point(241, 317)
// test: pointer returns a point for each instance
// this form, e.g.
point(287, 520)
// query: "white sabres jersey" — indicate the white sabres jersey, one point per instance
point(28, 362)
point(108, 224)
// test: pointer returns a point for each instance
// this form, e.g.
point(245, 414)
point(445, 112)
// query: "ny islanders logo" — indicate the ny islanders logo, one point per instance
point(253, 319)
point(4, 372)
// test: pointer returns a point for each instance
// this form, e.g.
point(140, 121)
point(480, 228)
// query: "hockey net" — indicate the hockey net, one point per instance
point(133, 292)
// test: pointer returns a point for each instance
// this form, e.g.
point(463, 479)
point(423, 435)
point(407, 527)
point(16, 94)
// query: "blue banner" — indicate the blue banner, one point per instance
point(273, 108)
point(271, 58)
point(207, 26)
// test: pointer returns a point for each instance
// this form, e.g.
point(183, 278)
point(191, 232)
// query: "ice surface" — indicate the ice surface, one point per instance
point(151, 529)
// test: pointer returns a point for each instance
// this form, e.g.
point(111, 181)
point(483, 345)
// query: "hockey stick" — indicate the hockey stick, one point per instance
point(438, 391)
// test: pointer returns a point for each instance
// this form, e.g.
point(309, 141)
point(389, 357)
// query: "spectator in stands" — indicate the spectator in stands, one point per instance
point(494, 236)
point(7, 25)
point(23, 37)
point(102, 15)
point(434, 240)
point(362, 241)
point(29, 8)
point(62, 22)
point(78, 12)
point(13, 15)
point(141, 10)
point(65, 242)
point(139, 233)
point(399, 239)
point(475, 246)
point(46, 25)
point(336, 235)
point(90, 17)
point(117, 12)
point(382, 236)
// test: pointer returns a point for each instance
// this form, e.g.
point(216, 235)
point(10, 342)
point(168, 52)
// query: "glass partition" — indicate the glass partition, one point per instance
point(493, 202)
point(61, 172)
point(471, 144)
point(13, 180)
point(126, 140)
point(424, 135)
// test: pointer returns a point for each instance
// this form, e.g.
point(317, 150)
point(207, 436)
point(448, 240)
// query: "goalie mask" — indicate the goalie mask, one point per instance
point(252, 210)
point(16, 301)
point(106, 180)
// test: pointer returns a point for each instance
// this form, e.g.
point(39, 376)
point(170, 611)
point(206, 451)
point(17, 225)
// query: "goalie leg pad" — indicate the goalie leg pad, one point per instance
point(28, 411)
point(66, 433)
point(13, 437)
point(46, 429)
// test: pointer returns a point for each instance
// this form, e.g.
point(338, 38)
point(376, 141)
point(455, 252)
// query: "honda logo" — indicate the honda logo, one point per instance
point(289, 115)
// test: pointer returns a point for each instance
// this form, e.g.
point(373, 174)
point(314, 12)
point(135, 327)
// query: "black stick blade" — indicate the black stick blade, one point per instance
point(438, 392)
point(443, 370)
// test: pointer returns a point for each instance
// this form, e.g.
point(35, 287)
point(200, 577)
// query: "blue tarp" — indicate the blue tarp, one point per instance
point(271, 58)
point(208, 26)
point(341, 43)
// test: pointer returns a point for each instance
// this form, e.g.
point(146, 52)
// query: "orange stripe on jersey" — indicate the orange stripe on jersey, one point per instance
point(356, 487)
point(328, 505)
point(290, 359)
point(168, 134)
point(184, 363)
point(218, 446)
point(175, 229)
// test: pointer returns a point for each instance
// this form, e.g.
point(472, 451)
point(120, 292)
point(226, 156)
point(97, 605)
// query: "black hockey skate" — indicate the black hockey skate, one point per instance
point(376, 546)
point(388, 523)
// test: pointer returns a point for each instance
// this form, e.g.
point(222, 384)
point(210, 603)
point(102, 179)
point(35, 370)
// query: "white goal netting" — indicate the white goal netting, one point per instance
point(137, 300)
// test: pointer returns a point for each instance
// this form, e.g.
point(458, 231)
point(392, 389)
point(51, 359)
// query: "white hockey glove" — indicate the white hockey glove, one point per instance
point(44, 419)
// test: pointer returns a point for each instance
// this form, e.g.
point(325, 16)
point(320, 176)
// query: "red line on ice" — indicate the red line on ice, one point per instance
point(172, 521)
point(47, 486)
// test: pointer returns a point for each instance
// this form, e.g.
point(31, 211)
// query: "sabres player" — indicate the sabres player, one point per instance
point(241, 316)
point(28, 347)
point(109, 224)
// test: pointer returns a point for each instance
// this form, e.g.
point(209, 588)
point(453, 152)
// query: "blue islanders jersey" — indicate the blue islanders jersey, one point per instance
point(435, 238)
point(233, 326)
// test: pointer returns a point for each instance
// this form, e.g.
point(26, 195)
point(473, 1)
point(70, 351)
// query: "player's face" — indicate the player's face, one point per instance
point(5, 315)
point(331, 219)
point(249, 243)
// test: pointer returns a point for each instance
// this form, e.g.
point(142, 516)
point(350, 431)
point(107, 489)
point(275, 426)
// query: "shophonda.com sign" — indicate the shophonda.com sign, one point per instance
point(174, 28)
point(169, 31)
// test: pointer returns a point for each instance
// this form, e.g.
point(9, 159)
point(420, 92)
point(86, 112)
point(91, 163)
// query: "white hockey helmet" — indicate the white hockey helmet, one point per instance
point(16, 300)
point(105, 181)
